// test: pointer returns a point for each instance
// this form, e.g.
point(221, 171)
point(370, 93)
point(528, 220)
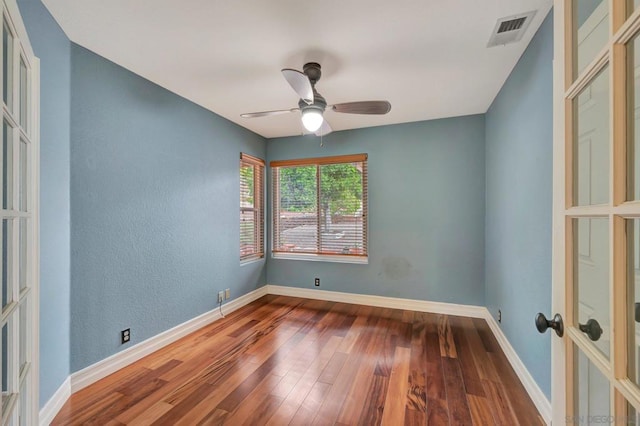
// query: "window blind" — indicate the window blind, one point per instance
point(320, 206)
point(251, 207)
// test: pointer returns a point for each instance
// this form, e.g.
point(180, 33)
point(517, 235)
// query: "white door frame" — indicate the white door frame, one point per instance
point(27, 405)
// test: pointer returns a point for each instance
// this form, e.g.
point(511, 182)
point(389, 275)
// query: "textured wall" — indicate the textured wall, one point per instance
point(154, 207)
point(53, 48)
point(426, 211)
point(519, 165)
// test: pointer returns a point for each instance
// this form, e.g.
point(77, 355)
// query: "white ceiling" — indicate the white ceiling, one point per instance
point(427, 57)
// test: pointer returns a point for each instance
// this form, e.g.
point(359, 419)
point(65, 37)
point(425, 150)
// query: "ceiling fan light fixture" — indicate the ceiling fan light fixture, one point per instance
point(312, 119)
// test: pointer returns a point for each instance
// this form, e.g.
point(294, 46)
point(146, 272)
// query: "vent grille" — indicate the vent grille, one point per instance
point(512, 25)
point(510, 29)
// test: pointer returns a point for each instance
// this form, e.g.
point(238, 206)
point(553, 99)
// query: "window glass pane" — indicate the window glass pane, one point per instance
point(23, 190)
point(592, 399)
point(24, 102)
point(633, 115)
point(248, 237)
point(633, 292)
point(7, 66)
point(23, 335)
point(5, 365)
point(591, 144)
point(23, 254)
point(24, 406)
point(246, 186)
point(632, 415)
point(341, 209)
point(297, 229)
point(7, 155)
point(591, 30)
point(5, 263)
point(591, 260)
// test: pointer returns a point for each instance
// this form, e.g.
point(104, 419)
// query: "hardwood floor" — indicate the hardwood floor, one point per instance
point(283, 360)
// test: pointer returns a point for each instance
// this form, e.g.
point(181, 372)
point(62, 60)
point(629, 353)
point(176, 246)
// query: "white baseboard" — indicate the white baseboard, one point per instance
point(55, 403)
point(115, 362)
point(101, 369)
point(537, 396)
point(380, 301)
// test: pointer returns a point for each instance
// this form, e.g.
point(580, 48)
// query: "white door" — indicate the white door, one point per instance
point(19, 222)
point(596, 218)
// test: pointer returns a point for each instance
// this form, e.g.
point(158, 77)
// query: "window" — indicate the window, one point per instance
point(320, 208)
point(251, 207)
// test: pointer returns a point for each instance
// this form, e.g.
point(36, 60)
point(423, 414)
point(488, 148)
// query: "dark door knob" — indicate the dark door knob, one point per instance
point(637, 312)
point(542, 324)
point(591, 329)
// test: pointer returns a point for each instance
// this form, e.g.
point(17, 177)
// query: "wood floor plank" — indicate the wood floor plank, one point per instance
point(152, 414)
point(374, 405)
point(447, 345)
point(257, 398)
point(500, 406)
point(314, 399)
point(332, 405)
point(459, 413)
point(285, 360)
point(480, 409)
point(437, 412)
point(353, 405)
point(396, 401)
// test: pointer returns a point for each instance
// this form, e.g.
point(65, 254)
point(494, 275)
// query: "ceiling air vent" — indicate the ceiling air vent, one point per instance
point(510, 29)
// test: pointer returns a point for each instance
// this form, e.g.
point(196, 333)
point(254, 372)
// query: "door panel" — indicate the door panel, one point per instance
point(596, 244)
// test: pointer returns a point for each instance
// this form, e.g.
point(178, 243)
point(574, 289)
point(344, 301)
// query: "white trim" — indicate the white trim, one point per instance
point(55, 403)
point(115, 362)
point(558, 353)
point(537, 396)
point(312, 257)
point(380, 301)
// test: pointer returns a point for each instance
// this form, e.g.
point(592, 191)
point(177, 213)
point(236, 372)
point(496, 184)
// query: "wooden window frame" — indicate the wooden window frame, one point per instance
point(258, 205)
point(360, 258)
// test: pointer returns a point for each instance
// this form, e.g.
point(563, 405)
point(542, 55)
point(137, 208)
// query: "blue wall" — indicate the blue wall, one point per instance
point(426, 211)
point(51, 45)
point(154, 208)
point(519, 138)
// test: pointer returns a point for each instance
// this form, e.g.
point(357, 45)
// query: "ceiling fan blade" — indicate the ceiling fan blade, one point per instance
point(324, 129)
point(300, 83)
point(363, 107)
point(267, 113)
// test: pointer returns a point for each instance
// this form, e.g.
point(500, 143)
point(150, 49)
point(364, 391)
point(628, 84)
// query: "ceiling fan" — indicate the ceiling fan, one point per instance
point(312, 105)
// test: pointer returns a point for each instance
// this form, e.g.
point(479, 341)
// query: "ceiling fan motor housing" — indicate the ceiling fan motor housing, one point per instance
point(313, 71)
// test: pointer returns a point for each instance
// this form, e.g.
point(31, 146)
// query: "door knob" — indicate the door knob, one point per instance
point(592, 329)
point(542, 324)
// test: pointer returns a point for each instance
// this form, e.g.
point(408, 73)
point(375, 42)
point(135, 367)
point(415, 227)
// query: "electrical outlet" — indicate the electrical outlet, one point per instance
point(317, 282)
point(227, 294)
point(220, 296)
point(499, 315)
point(125, 335)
